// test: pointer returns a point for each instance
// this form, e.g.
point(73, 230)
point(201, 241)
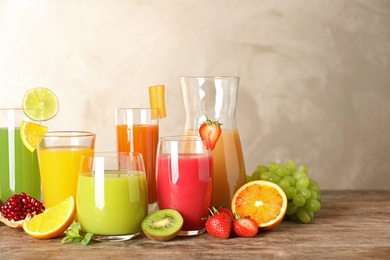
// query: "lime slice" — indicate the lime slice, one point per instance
point(40, 104)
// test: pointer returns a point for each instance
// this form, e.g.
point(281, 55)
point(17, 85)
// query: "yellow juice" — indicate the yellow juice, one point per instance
point(229, 167)
point(59, 168)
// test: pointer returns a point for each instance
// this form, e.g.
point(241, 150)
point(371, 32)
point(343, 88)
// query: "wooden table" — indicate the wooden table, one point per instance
point(350, 225)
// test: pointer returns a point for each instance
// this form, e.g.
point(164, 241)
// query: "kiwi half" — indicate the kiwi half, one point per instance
point(162, 225)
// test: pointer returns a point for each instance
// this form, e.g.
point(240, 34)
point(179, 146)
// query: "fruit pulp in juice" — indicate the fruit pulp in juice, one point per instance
point(229, 167)
point(59, 167)
point(19, 170)
point(142, 139)
point(186, 185)
point(118, 208)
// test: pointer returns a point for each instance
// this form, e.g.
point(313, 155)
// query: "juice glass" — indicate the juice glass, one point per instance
point(137, 131)
point(184, 180)
point(59, 156)
point(112, 197)
point(19, 170)
point(215, 98)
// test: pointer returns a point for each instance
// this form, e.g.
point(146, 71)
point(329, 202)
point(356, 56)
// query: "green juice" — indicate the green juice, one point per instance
point(19, 170)
point(115, 205)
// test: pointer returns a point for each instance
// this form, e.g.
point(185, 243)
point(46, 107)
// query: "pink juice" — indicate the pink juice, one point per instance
point(185, 184)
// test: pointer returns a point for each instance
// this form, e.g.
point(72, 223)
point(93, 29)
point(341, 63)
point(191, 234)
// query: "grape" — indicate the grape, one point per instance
point(282, 171)
point(290, 165)
point(273, 166)
point(303, 215)
point(284, 184)
point(299, 174)
point(302, 182)
point(305, 192)
point(274, 178)
point(261, 168)
point(291, 208)
point(299, 200)
point(256, 175)
point(302, 192)
point(290, 192)
point(313, 205)
point(265, 176)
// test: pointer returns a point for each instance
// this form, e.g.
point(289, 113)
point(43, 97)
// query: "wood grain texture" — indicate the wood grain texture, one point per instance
point(350, 225)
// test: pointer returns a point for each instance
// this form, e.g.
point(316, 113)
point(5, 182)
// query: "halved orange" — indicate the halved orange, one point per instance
point(53, 221)
point(29, 132)
point(263, 201)
point(157, 100)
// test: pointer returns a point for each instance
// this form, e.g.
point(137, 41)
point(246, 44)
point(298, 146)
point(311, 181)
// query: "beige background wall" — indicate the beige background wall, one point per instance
point(315, 75)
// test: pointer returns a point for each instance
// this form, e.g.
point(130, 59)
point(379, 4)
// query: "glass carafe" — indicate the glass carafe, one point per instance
point(216, 98)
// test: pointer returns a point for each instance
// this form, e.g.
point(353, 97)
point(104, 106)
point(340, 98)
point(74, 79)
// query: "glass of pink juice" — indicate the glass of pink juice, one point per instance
point(184, 180)
point(112, 195)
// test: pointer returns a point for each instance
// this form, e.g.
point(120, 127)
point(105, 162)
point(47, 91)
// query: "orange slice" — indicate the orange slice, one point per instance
point(263, 201)
point(157, 100)
point(53, 221)
point(29, 132)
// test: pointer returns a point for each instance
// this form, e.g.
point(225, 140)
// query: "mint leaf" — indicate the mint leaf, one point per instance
point(74, 235)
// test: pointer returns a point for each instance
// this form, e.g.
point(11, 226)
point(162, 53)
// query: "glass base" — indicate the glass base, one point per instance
point(191, 232)
point(114, 238)
point(152, 207)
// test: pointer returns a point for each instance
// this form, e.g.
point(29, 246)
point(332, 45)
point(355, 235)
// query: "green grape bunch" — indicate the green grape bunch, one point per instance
point(303, 193)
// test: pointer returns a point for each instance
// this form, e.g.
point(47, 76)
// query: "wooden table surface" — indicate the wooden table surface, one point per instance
point(350, 225)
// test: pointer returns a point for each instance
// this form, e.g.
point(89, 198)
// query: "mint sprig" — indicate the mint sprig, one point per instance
point(74, 235)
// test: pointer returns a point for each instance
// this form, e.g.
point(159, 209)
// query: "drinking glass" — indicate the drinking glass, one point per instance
point(184, 180)
point(137, 131)
point(112, 195)
point(19, 170)
point(215, 98)
point(59, 156)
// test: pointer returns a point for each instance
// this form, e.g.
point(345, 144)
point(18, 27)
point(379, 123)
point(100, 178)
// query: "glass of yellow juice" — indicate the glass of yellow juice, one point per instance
point(59, 157)
point(112, 195)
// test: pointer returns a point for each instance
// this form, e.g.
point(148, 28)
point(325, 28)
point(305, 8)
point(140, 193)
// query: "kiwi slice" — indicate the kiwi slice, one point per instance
point(162, 225)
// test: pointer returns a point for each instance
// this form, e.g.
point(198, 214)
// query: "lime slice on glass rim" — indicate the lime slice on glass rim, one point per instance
point(40, 104)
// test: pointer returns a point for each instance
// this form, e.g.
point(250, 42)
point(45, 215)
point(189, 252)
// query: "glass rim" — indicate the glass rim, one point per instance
point(181, 138)
point(11, 108)
point(65, 134)
point(111, 154)
point(135, 108)
point(210, 77)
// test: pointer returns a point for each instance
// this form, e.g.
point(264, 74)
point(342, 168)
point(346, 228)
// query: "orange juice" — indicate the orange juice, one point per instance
point(142, 139)
point(59, 168)
point(229, 168)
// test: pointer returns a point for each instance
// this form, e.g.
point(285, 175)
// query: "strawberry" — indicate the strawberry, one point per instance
point(219, 224)
point(210, 131)
point(244, 227)
point(227, 211)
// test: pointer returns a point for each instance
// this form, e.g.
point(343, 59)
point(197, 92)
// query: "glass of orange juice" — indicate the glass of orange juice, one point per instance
point(112, 195)
point(59, 157)
point(137, 131)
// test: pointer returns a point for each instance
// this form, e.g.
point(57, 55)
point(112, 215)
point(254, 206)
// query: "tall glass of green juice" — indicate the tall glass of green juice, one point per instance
point(19, 170)
point(112, 195)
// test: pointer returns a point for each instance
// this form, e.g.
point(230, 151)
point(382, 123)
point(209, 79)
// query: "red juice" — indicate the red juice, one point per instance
point(185, 184)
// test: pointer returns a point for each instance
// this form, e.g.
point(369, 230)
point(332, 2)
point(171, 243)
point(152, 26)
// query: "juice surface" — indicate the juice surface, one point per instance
point(19, 170)
point(188, 190)
point(229, 167)
point(116, 209)
point(60, 168)
point(142, 139)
